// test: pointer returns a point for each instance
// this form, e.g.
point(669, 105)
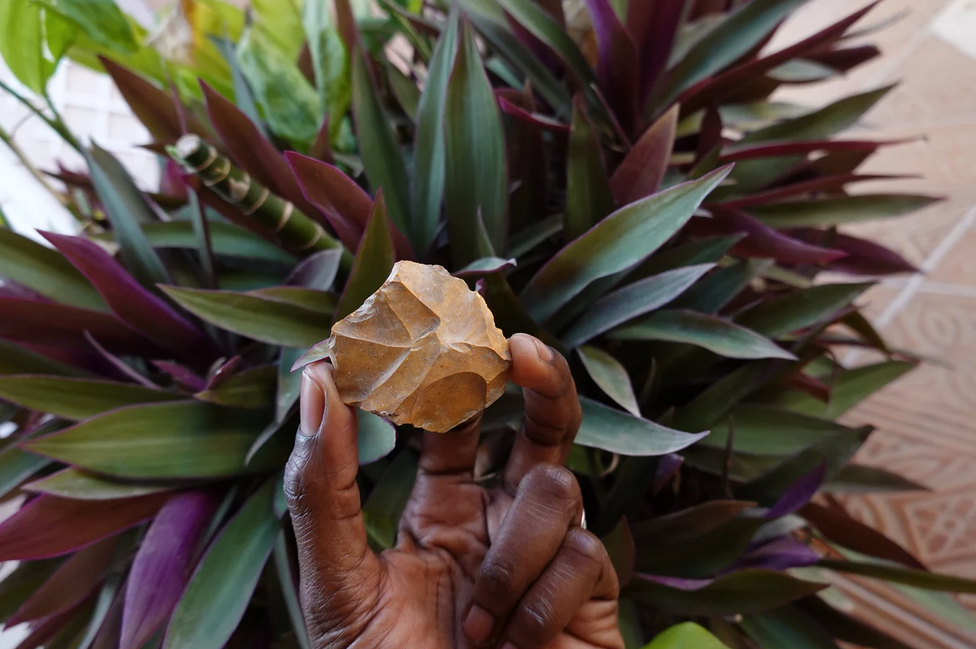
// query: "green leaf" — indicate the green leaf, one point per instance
point(617, 432)
point(289, 103)
point(78, 485)
point(844, 209)
point(330, 62)
point(533, 235)
point(588, 196)
point(744, 591)
point(800, 309)
point(846, 627)
point(787, 627)
point(311, 299)
point(714, 334)
point(388, 499)
point(145, 442)
point(373, 263)
point(702, 251)
point(220, 590)
point(681, 526)
point(535, 19)
point(127, 210)
point(716, 400)
point(261, 318)
point(715, 291)
point(32, 41)
point(280, 20)
point(822, 124)
point(476, 179)
point(733, 37)
point(378, 147)
point(376, 439)
point(226, 238)
point(618, 243)
point(855, 478)
point(429, 165)
point(16, 466)
point(243, 97)
point(46, 272)
point(289, 382)
point(16, 359)
point(101, 20)
point(252, 388)
point(686, 636)
point(700, 556)
point(611, 376)
point(900, 575)
point(768, 431)
point(71, 398)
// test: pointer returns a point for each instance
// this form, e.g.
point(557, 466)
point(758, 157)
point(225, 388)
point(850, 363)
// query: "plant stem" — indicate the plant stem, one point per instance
point(7, 139)
point(56, 123)
point(296, 231)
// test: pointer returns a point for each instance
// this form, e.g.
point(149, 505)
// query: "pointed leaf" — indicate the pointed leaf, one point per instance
point(840, 528)
point(342, 201)
point(44, 271)
point(703, 251)
point(57, 325)
point(69, 585)
point(737, 33)
point(611, 376)
point(845, 209)
point(853, 386)
point(476, 179)
point(617, 66)
point(17, 359)
point(824, 123)
point(30, 37)
point(252, 152)
point(682, 526)
point(377, 437)
point(76, 399)
point(633, 300)
point(316, 353)
point(588, 196)
point(768, 431)
point(846, 627)
point(378, 147)
point(917, 578)
point(317, 271)
point(221, 587)
point(127, 210)
point(761, 240)
point(51, 526)
point(21, 583)
point(855, 478)
point(163, 564)
point(79, 485)
point(209, 442)
point(619, 242)
point(714, 334)
point(429, 164)
point(642, 169)
point(617, 432)
point(153, 106)
point(745, 591)
point(252, 388)
point(534, 235)
point(261, 318)
point(786, 626)
point(863, 257)
point(374, 261)
point(134, 305)
point(101, 20)
point(686, 636)
point(484, 266)
point(800, 309)
point(714, 292)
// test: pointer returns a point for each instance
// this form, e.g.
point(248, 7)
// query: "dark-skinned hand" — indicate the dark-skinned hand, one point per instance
point(474, 567)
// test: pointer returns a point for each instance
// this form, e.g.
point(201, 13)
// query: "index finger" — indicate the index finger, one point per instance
point(552, 409)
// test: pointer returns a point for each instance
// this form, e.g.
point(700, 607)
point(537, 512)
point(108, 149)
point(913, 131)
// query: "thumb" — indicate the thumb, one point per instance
point(323, 498)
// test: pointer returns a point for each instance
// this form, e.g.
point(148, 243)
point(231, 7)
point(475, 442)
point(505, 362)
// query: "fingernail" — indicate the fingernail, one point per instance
point(312, 406)
point(545, 353)
point(478, 625)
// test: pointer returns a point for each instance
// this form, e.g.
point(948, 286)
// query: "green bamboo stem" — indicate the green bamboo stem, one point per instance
point(293, 228)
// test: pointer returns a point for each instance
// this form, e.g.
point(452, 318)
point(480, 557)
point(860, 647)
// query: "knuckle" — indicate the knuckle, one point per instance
point(538, 620)
point(499, 575)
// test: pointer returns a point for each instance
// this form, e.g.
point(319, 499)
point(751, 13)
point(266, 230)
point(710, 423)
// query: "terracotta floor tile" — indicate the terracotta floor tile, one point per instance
point(959, 265)
point(943, 155)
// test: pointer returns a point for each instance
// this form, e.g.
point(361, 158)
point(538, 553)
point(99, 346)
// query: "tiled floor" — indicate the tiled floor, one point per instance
point(927, 421)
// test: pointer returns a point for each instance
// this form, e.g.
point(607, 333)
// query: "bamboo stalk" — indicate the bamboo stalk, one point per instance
point(294, 229)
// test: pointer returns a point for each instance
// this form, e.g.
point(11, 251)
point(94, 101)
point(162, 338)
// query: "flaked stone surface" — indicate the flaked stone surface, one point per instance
point(422, 350)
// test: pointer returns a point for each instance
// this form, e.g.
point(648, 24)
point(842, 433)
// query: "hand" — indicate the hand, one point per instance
point(474, 567)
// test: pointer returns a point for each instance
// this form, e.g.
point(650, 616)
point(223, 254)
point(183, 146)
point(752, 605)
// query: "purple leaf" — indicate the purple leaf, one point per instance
point(69, 585)
point(344, 203)
point(653, 27)
point(780, 554)
point(58, 325)
point(667, 468)
point(223, 372)
point(863, 257)
point(133, 304)
point(678, 582)
point(534, 119)
point(716, 89)
point(617, 67)
point(642, 170)
point(50, 526)
point(801, 147)
point(317, 271)
point(832, 183)
point(761, 240)
point(485, 266)
point(252, 152)
point(163, 565)
point(118, 364)
point(319, 352)
point(182, 375)
point(799, 493)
